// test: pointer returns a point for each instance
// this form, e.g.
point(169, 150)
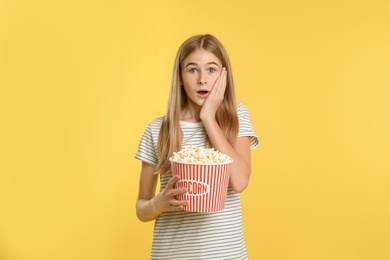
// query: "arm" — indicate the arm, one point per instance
point(149, 206)
point(241, 154)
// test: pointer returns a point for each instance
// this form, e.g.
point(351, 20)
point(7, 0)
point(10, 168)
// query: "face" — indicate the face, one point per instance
point(199, 72)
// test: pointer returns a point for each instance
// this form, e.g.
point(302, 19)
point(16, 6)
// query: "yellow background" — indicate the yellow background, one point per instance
point(80, 80)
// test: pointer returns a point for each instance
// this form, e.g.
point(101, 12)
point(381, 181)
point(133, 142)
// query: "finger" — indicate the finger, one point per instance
point(172, 181)
point(215, 89)
point(220, 78)
point(176, 205)
point(175, 192)
point(177, 208)
point(223, 79)
point(223, 73)
point(220, 84)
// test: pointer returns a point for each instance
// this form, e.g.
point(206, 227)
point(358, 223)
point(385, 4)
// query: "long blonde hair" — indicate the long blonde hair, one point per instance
point(170, 137)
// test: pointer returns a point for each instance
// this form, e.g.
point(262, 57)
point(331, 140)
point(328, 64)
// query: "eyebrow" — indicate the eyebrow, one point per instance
point(208, 63)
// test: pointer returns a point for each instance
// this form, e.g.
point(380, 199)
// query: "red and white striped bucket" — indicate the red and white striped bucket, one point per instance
point(207, 185)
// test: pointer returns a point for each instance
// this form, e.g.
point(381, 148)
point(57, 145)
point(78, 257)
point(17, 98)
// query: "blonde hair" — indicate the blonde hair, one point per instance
point(170, 137)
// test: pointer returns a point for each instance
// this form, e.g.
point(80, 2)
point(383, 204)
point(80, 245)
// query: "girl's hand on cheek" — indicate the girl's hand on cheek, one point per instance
point(215, 97)
point(166, 201)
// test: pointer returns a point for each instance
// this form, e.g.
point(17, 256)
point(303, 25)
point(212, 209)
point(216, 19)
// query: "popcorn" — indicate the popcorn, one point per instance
point(196, 155)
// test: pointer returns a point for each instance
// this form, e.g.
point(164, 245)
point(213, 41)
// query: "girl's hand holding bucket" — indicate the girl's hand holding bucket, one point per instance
point(166, 199)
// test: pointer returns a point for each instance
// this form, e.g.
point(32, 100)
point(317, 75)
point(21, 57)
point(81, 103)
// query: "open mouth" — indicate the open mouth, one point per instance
point(202, 92)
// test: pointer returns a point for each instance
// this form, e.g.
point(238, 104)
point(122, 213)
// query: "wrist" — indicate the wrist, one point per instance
point(209, 122)
point(154, 206)
point(207, 118)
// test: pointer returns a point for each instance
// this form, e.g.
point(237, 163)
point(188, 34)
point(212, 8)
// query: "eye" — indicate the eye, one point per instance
point(212, 70)
point(192, 70)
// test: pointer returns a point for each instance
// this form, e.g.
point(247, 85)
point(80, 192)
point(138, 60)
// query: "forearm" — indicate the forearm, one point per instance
point(240, 169)
point(146, 210)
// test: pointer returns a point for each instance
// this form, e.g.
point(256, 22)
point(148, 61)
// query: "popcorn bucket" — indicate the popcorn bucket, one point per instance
point(207, 185)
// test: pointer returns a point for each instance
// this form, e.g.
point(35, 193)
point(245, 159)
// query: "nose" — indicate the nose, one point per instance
point(202, 79)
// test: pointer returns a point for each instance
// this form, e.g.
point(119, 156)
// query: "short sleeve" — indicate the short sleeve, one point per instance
point(246, 128)
point(147, 148)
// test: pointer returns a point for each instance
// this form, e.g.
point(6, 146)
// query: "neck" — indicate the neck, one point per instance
point(191, 114)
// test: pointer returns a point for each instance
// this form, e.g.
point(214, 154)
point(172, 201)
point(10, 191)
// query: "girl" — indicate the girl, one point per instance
point(202, 111)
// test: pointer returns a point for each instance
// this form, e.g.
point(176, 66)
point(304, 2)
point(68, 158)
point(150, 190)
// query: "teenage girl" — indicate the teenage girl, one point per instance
point(201, 111)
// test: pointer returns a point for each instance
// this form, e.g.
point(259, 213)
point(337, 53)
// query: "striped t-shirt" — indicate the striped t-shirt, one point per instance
point(193, 235)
